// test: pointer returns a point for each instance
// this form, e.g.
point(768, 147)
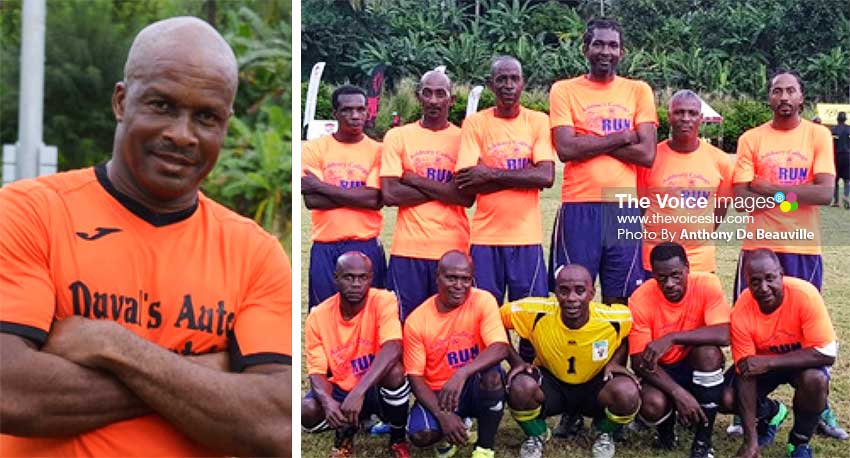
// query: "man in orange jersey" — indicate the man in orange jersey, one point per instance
point(603, 127)
point(340, 185)
point(781, 333)
point(453, 344)
point(137, 316)
point(692, 170)
point(355, 336)
point(417, 175)
point(680, 321)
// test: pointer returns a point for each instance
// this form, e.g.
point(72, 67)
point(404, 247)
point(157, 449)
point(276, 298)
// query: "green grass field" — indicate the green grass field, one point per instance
point(836, 291)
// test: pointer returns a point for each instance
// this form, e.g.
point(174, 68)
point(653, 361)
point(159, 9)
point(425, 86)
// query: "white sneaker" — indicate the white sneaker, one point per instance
point(603, 447)
point(532, 447)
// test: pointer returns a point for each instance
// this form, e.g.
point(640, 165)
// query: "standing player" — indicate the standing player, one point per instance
point(355, 336)
point(603, 127)
point(581, 349)
point(781, 333)
point(688, 168)
point(340, 185)
point(681, 319)
point(417, 170)
point(453, 344)
point(137, 316)
point(841, 135)
point(506, 159)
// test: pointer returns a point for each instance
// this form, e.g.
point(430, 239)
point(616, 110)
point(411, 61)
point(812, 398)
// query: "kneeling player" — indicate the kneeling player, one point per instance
point(453, 344)
point(579, 369)
point(681, 320)
point(781, 333)
point(355, 336)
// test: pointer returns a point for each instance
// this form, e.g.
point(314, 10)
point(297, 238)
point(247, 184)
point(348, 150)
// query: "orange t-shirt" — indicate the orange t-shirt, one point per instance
point(785, 157)
point(653, 316)
point(599, 109)
point(197, 281)
point(437, 344)
point(509, 216)
point(801, 321)
point(347, 165)
point(427, 230)
point(347, 348)
point(703, 173)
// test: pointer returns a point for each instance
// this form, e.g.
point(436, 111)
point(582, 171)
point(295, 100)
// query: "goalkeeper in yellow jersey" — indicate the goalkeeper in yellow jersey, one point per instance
point(580, 368)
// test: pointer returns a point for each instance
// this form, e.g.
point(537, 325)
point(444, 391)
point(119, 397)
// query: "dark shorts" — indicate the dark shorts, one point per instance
point(766, 383)
point(371, 403)
point(571, 399)
point(587, 234)
point(323, 256)
point(682, 373)
point(807, 267)
point(413, 280)
point(518, 269)
point(470, 405)
point(842, 165)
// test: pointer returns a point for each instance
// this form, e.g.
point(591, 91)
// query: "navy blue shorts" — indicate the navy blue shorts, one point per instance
point(766, 383)
point(807, 267)
point(413, 280)
point(469, 405)
point(587, 233)
point(519, 269)
point(682, 373)
point(371, 403)
point(323, 256)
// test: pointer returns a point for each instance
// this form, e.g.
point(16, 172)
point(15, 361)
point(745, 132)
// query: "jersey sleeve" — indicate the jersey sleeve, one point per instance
point(506, 315)
point(744, 171)
point(317, 361)
point(373, 180)
point(414, 349)
point(824, 153)
point(645, 111)
point(543, 148)
point(491, 328)
point(393, 148)
point(389, 325)
point(717, 310)
point(27, 294)
point(743, 344)
point(815, 321)
point(311, 159)
point(470, 147)
point(559, 107)
point(640, 334)
point(262, 331)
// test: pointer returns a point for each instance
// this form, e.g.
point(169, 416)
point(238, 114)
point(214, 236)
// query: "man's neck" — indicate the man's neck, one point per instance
point(683, 144)
point(434, 124)
point(347, 137)
point(350, 310)
point(508, 112)
point(606, 78)
point(786, 123)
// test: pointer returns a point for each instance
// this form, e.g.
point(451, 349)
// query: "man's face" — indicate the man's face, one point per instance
point(351, 113)
point(173, 117)
point(574, 292)
point(453, 284)
point(353, 280)
point(685, 119)
point(764, 278)
point(672, 278)
point(604, 52)
point(435, 98)
point(506, 82)
point(785, 96)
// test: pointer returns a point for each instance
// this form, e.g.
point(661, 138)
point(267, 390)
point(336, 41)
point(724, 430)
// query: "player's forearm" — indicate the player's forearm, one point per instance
point(581, 147)
point(621, 356)
point(492, 355)
point(800, 359)
point(745, 394)
point(513, 357)
point(536, 176)
point(394, 193)
point(361, 197)
point(744, 193)
point(46, 395)
point(423, 393)
point(322, 388)
point(387, 356)
point(642, 154)
point(437, 190)
point(239, 414)
point(815, 193)
point(658, 378)
point(717, 334)
point(319, 202)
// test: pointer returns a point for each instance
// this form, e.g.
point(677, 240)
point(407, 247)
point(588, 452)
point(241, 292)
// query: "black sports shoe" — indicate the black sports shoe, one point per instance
point(569, 426)
point(700, 449)
point(666, 433)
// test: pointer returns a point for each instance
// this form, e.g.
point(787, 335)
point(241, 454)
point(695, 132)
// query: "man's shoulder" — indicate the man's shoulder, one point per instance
point(56, 184)
point(706, 282)
point(566, 83)
point(420, 314)
point(756, 132)
point(230, 223)
point(633, 83)
point(644, 294)
point(536, 116)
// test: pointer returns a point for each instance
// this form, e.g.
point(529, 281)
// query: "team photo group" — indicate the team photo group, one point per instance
point(624, 322)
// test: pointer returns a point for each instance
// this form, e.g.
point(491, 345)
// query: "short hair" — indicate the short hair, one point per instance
point(684, 94)
point(502, 58)
point(602, 23)
point(668, 250)
point(345, 90)
point(784, 71)
point(842, 116)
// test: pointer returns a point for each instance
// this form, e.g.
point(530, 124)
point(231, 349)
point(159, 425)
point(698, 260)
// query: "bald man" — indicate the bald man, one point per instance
point(417, 176)
point(138, 317)
point(353, 351)
point(580, 365)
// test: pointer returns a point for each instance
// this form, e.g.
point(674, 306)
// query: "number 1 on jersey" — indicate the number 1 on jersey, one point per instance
point(572, 368)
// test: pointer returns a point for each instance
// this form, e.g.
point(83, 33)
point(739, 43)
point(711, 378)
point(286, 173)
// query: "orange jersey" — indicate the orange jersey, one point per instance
point(703, 173)
point(437, 344)
point(197, 281)
point(509, 216)
point(427, 230)
point(347, 348)
point(802, 321)
point(347, 166)
point(785, 157)
point(653, 316)
point(599, 109)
